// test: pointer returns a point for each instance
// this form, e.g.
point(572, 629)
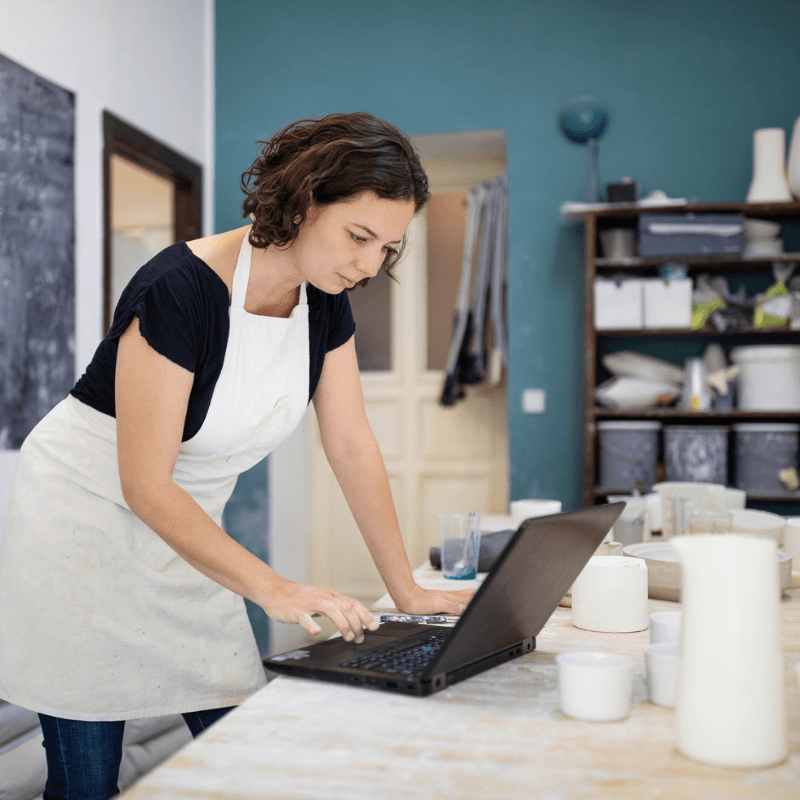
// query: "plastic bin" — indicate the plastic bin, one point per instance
point(690, 234)
point(763, 449)
point(769, 377)
point(696, 453)
point(628, 454)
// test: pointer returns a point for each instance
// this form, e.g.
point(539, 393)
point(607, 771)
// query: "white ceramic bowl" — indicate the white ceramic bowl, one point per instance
point(760, 229)
point(759, 523)
point(763, 248)
point(662, 662)
point(665, 627)
point(595, 686)
point(664, 568)
point(736, 498)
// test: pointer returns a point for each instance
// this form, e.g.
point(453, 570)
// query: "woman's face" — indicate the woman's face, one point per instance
point(343, 243)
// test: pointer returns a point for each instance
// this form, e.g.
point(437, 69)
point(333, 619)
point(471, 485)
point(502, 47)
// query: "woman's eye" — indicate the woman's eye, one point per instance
point(357, 238)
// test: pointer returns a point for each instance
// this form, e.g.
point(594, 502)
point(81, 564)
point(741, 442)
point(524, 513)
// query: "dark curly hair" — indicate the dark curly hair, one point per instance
point(325, 161)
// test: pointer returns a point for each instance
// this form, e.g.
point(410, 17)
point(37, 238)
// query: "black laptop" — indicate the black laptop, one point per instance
point(525, 586)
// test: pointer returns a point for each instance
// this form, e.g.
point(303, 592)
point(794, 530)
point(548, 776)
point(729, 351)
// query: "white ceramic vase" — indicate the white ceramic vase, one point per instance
point(731, 710)
point(793, 161)
point(769, 184)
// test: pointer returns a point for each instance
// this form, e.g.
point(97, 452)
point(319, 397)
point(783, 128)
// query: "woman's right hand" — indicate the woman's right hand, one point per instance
point(297, 604)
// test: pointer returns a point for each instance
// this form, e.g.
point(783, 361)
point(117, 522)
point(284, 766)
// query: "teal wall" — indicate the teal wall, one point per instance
point(685, 83)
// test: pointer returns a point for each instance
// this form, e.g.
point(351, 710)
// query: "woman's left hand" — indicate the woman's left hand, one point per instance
point(434, 601)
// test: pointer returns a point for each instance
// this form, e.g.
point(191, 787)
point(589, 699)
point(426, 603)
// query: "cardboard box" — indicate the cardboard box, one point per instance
point(618, 304)
point(667, 303)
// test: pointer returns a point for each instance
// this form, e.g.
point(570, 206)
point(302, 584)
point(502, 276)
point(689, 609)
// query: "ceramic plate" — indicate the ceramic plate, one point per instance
point(664, 569)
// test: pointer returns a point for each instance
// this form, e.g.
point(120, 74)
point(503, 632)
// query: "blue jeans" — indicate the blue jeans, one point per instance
point(83, 758)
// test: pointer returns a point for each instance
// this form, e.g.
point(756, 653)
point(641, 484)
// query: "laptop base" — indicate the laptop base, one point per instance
point(421, 687)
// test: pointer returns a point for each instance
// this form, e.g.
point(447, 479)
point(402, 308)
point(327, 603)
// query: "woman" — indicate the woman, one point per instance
point(121, 593)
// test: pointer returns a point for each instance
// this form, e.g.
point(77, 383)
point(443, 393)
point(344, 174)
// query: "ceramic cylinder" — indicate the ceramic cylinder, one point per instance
point(769, 167)
point(791, 540)
point(610, 595)
point(793, 160)
point(527, 509)
point(731, 710)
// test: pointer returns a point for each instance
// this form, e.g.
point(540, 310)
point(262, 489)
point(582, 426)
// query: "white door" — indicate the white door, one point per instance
point(439, 459)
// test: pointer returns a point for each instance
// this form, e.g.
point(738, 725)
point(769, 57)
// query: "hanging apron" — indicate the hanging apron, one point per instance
point(99, 618)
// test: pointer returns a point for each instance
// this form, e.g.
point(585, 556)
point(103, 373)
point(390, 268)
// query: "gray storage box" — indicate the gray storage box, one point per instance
point(690, 234)
point(763, 450)
point(628, 454)
point(696, 453)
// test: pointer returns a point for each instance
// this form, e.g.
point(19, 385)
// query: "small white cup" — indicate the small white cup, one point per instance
point(595, 686)
point(665, 626)
point(791, 540)
point(526, 509)
point(663, 667)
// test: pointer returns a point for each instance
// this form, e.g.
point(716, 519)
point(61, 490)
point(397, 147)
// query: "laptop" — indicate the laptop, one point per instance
point(531, 576)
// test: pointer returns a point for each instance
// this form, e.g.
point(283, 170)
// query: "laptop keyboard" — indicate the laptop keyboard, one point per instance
point(409, 662)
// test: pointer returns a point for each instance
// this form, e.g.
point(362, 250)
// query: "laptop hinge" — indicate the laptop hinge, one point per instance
point(438, 681)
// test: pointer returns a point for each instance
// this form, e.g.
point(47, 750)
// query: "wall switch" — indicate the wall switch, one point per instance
point(533, 401)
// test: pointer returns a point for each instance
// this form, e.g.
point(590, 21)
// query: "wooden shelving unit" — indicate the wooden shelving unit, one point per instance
point(627, 214)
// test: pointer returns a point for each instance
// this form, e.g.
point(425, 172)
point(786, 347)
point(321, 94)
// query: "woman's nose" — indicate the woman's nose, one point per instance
point(371, 264)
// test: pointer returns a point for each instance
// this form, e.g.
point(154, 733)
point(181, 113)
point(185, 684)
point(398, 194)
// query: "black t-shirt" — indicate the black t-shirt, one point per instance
point(182, 306)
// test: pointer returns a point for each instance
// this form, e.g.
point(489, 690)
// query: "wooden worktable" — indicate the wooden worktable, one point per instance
point(497, 735)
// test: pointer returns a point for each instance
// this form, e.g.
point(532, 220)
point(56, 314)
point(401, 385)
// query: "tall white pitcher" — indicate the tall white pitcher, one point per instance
point(730, 709)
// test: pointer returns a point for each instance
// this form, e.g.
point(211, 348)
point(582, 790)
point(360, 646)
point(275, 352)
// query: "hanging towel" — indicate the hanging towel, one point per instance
point(498, 358)
point(462, 327)
point(479, 349)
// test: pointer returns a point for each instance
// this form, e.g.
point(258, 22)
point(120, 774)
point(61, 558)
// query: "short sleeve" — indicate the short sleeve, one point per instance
point(170, 312)
point(342, 325)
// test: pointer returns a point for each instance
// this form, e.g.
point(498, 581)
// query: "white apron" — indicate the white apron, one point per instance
point(99, 618)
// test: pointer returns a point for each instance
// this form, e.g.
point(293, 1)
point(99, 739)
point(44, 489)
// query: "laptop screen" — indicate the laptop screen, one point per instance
point(532, 575)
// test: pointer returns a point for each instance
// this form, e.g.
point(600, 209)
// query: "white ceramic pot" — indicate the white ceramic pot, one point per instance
point(759, 523)
point(528, 509)
point(769, 167)
point(610, 595)
point(595, 686)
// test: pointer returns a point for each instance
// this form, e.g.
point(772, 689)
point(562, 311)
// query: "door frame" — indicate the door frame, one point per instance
point(122, 139)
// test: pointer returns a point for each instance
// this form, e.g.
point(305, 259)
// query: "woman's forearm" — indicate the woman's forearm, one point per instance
point(177, 518)
point(361, 473)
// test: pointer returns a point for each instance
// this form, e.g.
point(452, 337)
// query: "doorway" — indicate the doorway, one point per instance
point(439, 459)
point(152, 198)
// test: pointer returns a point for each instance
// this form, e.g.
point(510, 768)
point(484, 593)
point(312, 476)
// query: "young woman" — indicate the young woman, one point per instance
point(121, 593)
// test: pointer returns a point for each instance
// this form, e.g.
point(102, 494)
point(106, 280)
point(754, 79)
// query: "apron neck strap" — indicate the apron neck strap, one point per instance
point(241, 275)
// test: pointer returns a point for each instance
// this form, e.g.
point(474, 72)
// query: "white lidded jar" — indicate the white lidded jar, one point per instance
point(769, 377)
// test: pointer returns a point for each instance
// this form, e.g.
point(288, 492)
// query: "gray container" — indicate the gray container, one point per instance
point(690, 234)
point(763, 449)
point(628, 454)
point(696, 453)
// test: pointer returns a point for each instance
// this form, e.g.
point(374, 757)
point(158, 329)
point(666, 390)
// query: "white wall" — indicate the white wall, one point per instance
point(149, 62)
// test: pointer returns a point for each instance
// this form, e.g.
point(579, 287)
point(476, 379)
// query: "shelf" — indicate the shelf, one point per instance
point(772, 331)
point(672, 342)
point(671, 413)
point(732, 262)
point(600, 491)
point(631, 210)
